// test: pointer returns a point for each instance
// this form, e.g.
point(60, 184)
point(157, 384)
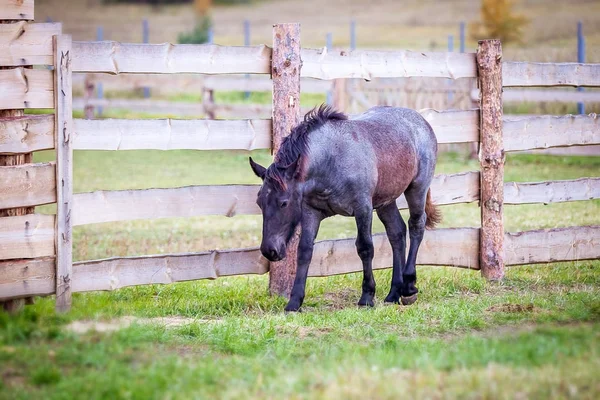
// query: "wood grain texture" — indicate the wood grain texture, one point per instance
point(285, 72)
point(63, 90)
point(24, 43)
point(491, 158)
point(457, 247)
point(24, 278)
point(171, 134)
point(552, 191)
point(453, 126)
point(115, 273)
point(26, 236)
point(26, 133)
point(550, 74)
point(368, 64)
point(118, 58)
point(546, 131)
point(16, 10)
point(27, 185)
point(552, 245)
point(26, 88)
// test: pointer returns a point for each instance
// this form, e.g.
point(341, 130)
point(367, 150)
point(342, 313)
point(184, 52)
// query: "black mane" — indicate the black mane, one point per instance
point(295, 145)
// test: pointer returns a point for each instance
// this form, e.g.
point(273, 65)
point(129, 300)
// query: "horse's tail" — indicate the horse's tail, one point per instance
point(434, 215)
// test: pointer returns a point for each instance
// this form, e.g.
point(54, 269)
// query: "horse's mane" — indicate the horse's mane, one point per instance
point(295, 145)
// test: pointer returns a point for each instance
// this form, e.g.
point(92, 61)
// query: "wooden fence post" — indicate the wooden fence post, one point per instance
point(285, 72)
point(491, 158)
point(13, 306)
point(339, 95)
point(63, 106)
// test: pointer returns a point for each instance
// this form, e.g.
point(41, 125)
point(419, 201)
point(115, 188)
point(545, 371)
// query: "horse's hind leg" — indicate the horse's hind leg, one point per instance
point(396, 233)
point(364, 246)
point(416, 196)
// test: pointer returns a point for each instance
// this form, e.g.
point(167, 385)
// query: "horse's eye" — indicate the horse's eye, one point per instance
point(284, 204)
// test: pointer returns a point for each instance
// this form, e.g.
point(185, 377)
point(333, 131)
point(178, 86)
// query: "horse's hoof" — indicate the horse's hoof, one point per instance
point(392, 299)
point(407, 301)
point(292, 307)
point(366, 302)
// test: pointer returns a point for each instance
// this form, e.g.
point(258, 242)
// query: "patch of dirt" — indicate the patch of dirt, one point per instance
point(339, 300)
point(12, 378)
point(512, 308)
point(85, 326)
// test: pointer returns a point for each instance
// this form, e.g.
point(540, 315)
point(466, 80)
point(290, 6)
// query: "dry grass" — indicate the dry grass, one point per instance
point(411, 24)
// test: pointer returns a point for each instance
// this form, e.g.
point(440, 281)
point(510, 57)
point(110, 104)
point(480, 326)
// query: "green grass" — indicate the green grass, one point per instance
point(535, 335)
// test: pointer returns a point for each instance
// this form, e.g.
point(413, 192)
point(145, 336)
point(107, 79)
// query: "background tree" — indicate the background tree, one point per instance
point(499, 21)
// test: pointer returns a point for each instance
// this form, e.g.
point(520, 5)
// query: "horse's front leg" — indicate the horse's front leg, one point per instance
point(364, 246)
point(310, 227)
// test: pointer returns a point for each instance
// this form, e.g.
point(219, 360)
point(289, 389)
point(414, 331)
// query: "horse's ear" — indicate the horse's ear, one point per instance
point(258, 169)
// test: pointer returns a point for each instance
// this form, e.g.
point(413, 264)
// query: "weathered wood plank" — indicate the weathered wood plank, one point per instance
point(542, 132)
point(552, 245)
point(115, 273)
point(27, 185)
point(16, 9)
point(453, 126)
point(367, 64)
point(63, 90)
point(491, 159)
point(552, 191)
point(168, 134)
point(560, 96)
point(550, 74)
point(26, 236)
point(227, 200)
point(26, 88)
point(23, 43)
point(118, 58)
point(24, 278)
point(26, 133)
point(453, 247)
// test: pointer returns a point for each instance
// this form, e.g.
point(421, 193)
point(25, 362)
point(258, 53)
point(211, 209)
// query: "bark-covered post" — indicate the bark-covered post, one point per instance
point(339, 94)
point(491, 158)
point(285, 72)
point(63, 106)
point(13, 306)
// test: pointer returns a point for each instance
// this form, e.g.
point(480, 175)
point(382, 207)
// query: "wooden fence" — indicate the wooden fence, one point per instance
point(35, 249)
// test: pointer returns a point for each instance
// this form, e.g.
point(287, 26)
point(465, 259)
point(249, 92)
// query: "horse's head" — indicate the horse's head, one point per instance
point(280, 200)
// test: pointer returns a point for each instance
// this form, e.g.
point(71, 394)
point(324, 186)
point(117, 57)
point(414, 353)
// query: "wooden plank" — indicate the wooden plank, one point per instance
point(550, 74)
point(118, 58)
point(125, 205)
point(559, 96)
point(157, 107)
point(168, 134)
point(552, 191)
point(160, 83)
point(23, 43)
point(552, 245)
point(115, 273)
point(368, 64)
point(227, 200)
point(259, 84)
point(26, 133)
point(27, 185)
point(26, 236)
point(546, 131)
point(453, 126)
point(286, 67)
point(16, 9)
point(491, 158)
point(457, 247)
point(26, 88)
point(64, 170)
point(24, 278)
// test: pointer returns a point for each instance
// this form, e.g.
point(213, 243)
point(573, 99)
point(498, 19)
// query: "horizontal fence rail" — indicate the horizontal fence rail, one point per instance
point(549, 74)
point(117, 58)
point(529, 133)
point(27, 236)
point(17, 9)
point(452, 246)
point(26, 88)
point(27, 185)
point(552, 191)
point(27, 44)
point(26, 134)
point(225, 200)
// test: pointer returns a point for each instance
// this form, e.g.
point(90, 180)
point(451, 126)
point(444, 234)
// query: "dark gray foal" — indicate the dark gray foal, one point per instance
point(331, 165)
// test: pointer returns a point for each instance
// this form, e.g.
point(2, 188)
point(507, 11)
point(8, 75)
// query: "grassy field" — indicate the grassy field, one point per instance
point(536, 335)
